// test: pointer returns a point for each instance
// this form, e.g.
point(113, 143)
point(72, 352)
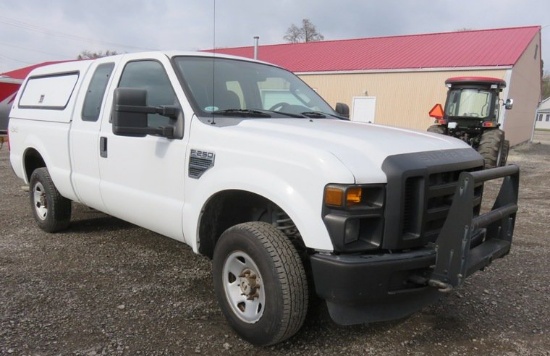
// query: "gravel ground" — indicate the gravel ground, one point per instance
point(106, 287)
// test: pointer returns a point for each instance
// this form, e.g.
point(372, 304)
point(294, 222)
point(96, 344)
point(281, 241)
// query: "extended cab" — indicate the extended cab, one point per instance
point(246, 164)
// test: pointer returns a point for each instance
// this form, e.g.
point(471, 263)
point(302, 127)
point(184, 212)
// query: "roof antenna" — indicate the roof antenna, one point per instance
point(213, 122)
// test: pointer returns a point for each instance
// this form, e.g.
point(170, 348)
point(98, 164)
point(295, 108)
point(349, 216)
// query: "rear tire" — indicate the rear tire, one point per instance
point(260, 283)
point(437, 129)
point(491, 147)
point(51, 211)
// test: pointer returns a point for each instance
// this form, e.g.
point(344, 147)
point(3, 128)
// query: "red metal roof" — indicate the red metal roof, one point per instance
point(480, 48)
point(21, 73)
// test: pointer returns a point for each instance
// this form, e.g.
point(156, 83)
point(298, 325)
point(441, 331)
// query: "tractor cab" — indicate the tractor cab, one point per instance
point(471, 111)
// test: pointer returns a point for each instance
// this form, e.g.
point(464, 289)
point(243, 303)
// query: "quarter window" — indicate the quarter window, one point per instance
point(96, 92)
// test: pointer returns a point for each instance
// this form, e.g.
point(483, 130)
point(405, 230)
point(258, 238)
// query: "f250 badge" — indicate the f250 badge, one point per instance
point(199, 162)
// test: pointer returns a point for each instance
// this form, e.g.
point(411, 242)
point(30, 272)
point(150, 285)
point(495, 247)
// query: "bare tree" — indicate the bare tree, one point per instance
point(307, 33)
point(93, 55)
point(545, 85)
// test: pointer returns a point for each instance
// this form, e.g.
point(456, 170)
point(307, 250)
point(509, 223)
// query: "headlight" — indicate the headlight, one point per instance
point(354, 215)
point(354, 196)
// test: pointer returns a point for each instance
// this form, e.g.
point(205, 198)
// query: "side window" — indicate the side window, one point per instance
point(150, 75)
point(96, 92)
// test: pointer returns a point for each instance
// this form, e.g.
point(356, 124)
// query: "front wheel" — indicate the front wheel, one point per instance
point(260, 283)
point(51, 211)
point(504, 154)
point(491, 147)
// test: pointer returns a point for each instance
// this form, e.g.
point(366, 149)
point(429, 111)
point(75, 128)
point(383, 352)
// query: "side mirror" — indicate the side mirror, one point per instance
point(130, 111)
point(508, 104)
point(342, 110)
point(129, 123)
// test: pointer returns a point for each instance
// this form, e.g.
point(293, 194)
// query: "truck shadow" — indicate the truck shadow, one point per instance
point(87, 220)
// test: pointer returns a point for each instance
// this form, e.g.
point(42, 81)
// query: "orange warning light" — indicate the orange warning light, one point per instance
point(437, 111)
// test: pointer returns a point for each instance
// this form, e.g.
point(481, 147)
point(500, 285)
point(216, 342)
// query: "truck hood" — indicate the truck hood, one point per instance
point(361, 147)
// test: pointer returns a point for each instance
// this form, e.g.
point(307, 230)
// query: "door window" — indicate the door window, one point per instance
point(151, 76)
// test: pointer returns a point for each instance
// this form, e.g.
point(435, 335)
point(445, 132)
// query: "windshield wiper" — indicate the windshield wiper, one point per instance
point(314, 114)
point(241, 112)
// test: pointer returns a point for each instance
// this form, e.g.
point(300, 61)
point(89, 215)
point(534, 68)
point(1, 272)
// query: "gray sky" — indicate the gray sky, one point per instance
point(34, 31)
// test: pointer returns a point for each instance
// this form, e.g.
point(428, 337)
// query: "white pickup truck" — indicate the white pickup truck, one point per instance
point(246, 164)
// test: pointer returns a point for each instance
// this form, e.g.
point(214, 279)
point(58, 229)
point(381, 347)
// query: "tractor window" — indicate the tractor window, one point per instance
point(469, 103)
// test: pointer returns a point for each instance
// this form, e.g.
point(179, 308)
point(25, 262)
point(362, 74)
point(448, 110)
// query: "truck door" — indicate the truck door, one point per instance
point(142, 178)
point(84, 134)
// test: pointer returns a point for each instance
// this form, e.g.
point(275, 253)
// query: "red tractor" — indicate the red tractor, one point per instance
point(471, 114)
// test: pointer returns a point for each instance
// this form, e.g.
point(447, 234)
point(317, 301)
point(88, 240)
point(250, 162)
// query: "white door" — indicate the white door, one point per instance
point(363, 109)
point(142, 178)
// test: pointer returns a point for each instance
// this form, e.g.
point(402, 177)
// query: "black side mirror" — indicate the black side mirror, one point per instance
point(129, 123)
point(130, 114)
point(508, 104)
point(342, 110)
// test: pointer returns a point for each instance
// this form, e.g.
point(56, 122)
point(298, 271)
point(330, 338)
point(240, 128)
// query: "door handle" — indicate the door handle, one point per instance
point(103, 147)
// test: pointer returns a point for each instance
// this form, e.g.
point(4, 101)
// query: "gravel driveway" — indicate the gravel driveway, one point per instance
point(108, 287)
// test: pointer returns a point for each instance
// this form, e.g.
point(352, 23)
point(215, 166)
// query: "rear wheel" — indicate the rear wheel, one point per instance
point(51, 211)
point(437, 129)
point(491, 147)
point(260, 283)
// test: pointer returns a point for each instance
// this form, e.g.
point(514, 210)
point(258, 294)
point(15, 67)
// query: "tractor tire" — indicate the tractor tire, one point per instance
point(51, 211)
point(491, 147)
point(260, 283)
point(504, 155)
point(437, 129)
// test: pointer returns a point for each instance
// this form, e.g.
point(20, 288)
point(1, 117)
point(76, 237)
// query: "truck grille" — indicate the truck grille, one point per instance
point(427, 203)
point(419, 194)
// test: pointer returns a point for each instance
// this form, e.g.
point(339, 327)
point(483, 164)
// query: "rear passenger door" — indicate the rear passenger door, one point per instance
point(142, 178)
point(84, 135)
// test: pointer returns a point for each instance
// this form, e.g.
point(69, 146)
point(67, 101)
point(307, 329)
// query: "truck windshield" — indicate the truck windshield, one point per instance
point(230, 87)
point(469, 103)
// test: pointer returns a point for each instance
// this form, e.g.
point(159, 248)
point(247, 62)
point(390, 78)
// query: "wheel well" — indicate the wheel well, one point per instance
point(232, 207)
point(32, 161)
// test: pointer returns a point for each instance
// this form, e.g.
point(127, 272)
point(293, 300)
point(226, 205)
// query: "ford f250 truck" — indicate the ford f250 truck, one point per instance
point(246, 164)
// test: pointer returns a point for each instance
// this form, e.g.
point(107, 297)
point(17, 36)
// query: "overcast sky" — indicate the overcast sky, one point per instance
point(34, 31)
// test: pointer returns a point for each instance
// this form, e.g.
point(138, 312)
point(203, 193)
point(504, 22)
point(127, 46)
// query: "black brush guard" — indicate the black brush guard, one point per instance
point(456, 259)
point(364, 288)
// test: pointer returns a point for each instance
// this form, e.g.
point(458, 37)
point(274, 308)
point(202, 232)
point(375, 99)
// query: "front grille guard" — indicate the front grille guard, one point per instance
point(455, 257)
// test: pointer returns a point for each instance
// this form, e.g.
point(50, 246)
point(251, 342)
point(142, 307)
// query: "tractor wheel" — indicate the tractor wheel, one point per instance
point(437, 129)
point(504, 155)
point(491, 147)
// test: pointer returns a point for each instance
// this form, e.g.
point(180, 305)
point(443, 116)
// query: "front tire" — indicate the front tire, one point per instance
point(51, 211)
point(491, 147)
point(260, 283)
point(504, 155)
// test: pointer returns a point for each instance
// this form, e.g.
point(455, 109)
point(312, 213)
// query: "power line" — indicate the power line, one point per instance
point(29, 49)
point(46, 31)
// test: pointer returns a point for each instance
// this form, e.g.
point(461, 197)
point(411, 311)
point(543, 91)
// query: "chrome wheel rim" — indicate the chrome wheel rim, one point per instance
point(243, 286)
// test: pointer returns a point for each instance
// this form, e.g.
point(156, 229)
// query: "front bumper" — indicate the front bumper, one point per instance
point(369, 288)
